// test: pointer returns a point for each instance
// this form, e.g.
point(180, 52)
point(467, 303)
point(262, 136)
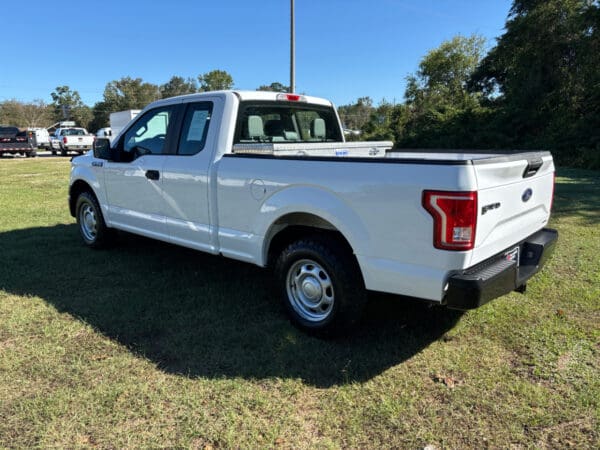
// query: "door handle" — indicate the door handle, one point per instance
point(152, 174)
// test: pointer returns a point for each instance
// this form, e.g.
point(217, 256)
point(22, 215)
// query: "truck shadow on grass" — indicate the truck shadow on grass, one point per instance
point(204, 316)
point(577, 193)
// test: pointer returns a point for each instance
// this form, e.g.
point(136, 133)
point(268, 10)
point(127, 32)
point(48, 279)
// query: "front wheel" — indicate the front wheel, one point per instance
point(93, 230)
point(321, 285)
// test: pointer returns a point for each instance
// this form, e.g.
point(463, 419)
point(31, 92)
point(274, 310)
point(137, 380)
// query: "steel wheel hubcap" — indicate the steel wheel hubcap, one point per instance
point(310, 290)
point(88, 222)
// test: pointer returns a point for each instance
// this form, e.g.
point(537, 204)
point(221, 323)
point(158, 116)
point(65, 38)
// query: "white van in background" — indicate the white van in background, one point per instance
point(40, 138)
point(119, 119)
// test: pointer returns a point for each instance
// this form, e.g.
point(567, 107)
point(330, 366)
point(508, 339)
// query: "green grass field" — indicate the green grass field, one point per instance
point(151, 345)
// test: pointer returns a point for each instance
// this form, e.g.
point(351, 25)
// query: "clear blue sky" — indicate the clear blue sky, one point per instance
point(345, 49)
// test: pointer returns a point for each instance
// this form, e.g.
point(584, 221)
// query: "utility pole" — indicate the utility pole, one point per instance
point(292, 49)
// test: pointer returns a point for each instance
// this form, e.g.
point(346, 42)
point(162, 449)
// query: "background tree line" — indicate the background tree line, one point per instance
point(537, 88)
point(119, 95)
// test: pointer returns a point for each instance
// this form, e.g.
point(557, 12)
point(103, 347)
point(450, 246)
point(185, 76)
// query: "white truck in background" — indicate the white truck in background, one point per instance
point(118, 120)
point(267, 178)
point(71, 139)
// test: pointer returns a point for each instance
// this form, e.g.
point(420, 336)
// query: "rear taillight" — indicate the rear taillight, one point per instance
point(65, 140)
point(454, 218)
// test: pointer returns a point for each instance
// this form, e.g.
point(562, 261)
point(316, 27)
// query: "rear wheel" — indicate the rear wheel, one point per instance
point(92, 228)
point(63, 151)
point(321, 285)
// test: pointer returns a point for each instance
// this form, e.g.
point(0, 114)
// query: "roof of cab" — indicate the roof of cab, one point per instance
point(245, 95)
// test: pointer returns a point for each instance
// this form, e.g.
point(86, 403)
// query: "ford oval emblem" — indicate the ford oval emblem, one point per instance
point(527, 195)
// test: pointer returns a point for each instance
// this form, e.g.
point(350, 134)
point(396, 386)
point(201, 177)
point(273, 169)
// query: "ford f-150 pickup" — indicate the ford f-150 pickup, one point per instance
point(267, 178)
point(71, 139)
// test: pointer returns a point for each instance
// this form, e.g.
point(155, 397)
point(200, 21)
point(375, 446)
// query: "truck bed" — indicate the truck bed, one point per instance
point(381, 151)
point(396, 230)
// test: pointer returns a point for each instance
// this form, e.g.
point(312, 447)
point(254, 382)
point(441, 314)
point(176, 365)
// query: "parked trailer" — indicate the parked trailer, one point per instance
point(14, 140)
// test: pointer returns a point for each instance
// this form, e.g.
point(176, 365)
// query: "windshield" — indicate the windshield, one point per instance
point(73, 132)
point(286, 122)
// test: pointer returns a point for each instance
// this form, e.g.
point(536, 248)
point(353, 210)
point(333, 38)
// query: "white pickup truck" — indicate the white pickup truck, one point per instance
point(71, 139)
point(267, 178)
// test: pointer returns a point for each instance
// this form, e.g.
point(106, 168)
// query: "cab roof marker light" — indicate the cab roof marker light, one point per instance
point(291, 97)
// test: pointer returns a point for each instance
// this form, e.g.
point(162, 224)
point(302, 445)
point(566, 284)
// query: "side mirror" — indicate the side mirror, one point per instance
point(102, 149)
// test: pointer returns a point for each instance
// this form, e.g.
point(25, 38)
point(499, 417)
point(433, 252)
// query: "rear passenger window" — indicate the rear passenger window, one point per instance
point(195, 128)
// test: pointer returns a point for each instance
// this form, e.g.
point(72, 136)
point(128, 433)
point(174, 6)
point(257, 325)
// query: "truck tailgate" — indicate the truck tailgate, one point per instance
point(514, 200)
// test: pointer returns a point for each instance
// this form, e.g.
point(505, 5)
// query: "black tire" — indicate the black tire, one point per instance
point(63, 152)
point(31, 154)
point(326, 269)
point(53, 151)
point(92, 228)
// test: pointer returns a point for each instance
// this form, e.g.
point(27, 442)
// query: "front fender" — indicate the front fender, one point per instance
point(82, 171)
point(318, 202)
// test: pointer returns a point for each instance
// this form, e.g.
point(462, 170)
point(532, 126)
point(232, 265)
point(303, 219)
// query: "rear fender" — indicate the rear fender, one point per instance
point(317, 202)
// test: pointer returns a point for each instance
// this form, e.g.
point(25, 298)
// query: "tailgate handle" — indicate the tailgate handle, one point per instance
point(533, 165)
